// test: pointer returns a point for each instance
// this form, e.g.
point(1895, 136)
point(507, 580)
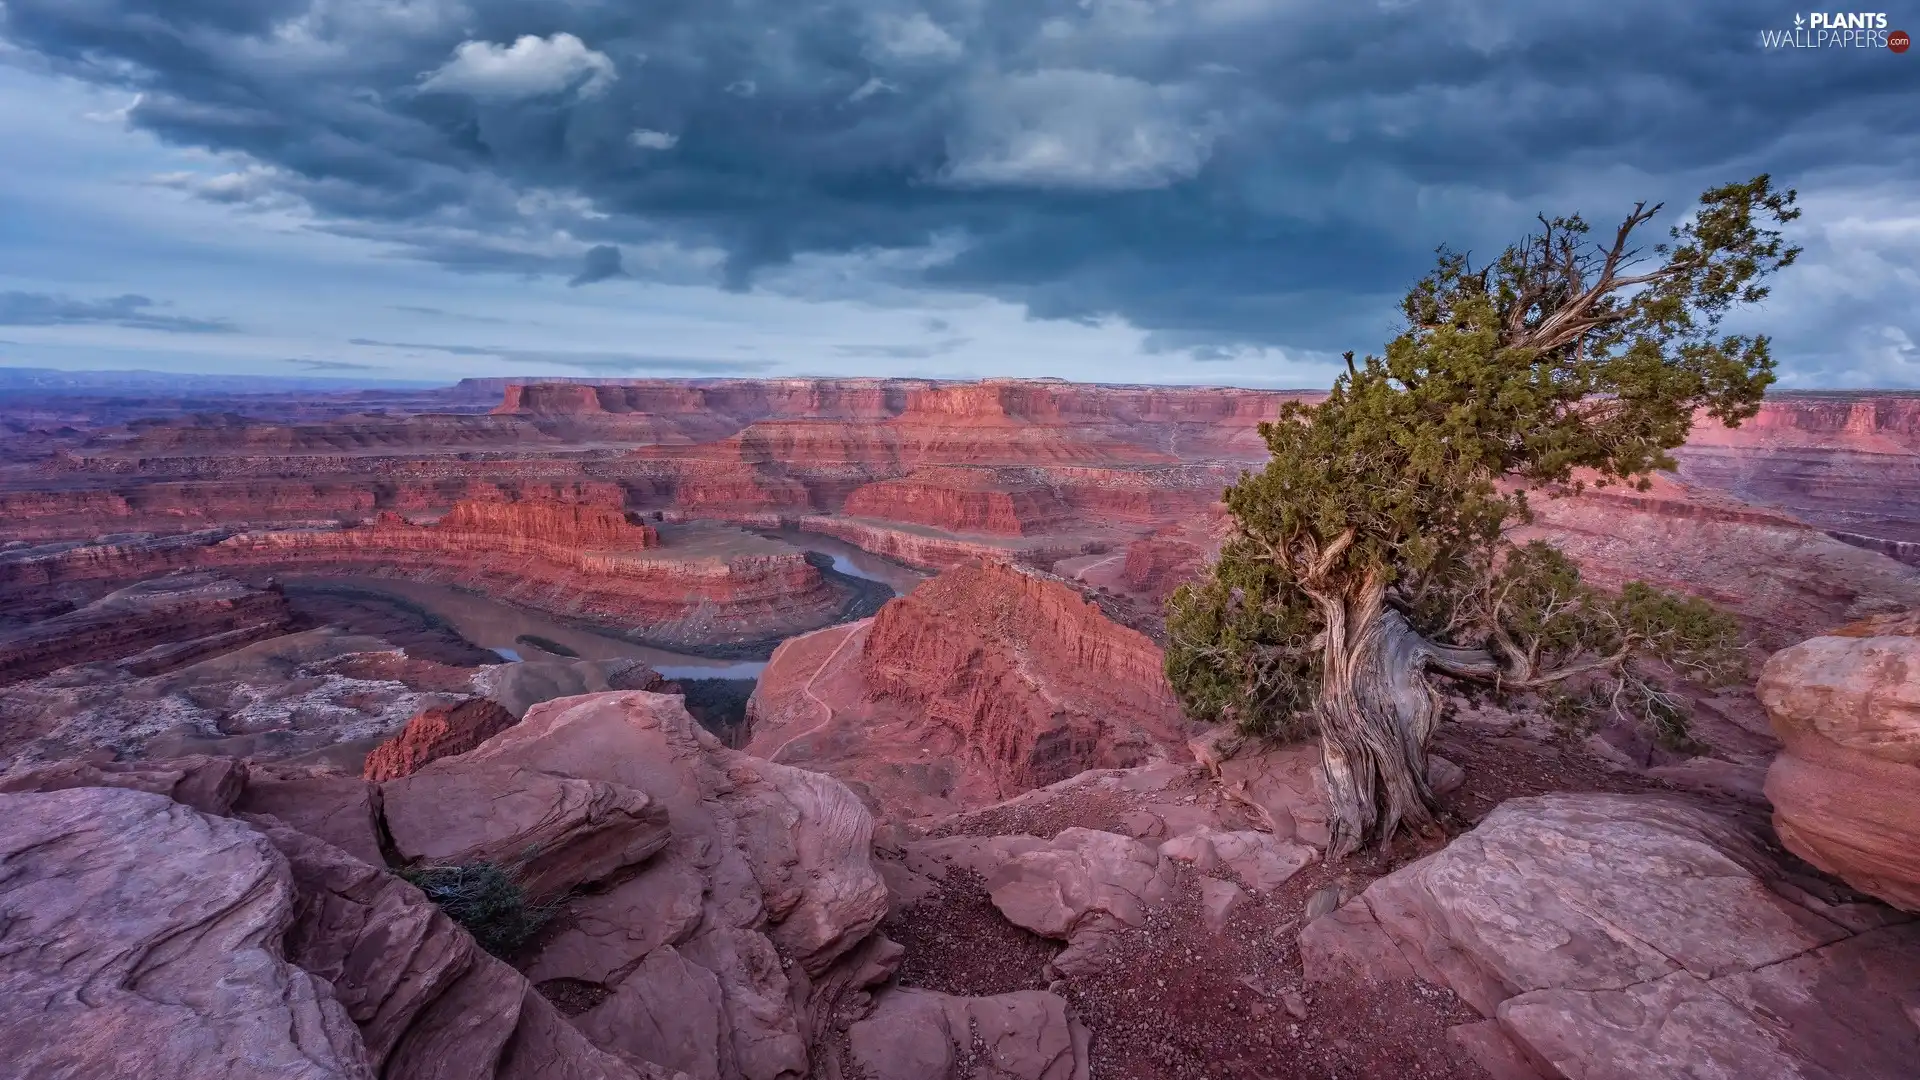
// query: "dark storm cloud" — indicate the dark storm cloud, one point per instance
point(1217, 171)
point(601, 263)
point(130, 310)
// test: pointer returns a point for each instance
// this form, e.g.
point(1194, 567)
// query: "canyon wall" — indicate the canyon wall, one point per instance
point(964, 500)
point(177, 610)
point(567, 559)
point(934, 473)
point(985, 682)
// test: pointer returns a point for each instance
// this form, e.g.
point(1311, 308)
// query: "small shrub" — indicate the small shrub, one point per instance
point(486, 900)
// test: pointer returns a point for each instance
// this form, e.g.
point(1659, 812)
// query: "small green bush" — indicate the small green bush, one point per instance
point(486, 900)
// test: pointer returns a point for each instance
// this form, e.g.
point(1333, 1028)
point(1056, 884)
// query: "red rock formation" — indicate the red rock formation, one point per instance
point(924, 546)
point(1846, 787)
point(1844, 461)
point(551, 529)
point(984, 682)
point(1783, 578)
point(963, 500)
point(711, 587)
point(164, 611)
point(441, 731)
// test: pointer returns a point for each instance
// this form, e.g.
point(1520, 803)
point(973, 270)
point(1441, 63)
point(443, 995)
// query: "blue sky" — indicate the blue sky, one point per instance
point(1217, 191)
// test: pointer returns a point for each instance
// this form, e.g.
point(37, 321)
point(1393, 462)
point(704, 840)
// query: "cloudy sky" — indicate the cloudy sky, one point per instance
point(1218, 191)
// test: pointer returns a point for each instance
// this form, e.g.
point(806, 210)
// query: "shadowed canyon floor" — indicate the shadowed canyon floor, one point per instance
point(268, 666)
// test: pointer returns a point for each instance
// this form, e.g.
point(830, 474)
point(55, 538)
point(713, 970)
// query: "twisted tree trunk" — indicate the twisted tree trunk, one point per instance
point(1377, 711)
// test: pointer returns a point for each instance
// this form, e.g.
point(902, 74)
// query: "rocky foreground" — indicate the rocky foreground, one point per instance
point(719, 915)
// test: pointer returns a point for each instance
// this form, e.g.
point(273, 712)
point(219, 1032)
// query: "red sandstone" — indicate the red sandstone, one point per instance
point(437, 732)
point(983, 683)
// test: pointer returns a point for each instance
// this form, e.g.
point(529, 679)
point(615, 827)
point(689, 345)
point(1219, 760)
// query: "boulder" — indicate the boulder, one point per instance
point(1846, 787)
point(1079, 888)
point(1261, 861)
point(921, 1035)
point(342, 810)
point(437, 732)
point(1219, 902)
point(1647, 935)
point(208, 784)
point(762, 896)
point(143, 938)
point(430, 1005)
point(558, 832)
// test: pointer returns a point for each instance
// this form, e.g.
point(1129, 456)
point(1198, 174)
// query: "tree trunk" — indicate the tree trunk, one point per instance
point(1377, 710)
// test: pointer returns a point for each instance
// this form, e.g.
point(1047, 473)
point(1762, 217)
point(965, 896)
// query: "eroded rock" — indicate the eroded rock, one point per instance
point(1626, 936)
point(428, 1002)
point(1080, 887)
point(208, 784)
point(557, 832)
point(763, 888)
point(143, 938)
point(437, 732)
point(1846, 788)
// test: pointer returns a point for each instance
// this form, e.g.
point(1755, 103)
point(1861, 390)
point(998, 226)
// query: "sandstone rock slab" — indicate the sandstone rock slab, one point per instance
point(1261, 861)
point(208, 784)
point(560, 832)
point(1220, 901)
point(342, 810)
point(1079, 888)
point(765, 884)
point(430, 1005)
point(1284, 786)
point(143, 938)
point(1648, 935)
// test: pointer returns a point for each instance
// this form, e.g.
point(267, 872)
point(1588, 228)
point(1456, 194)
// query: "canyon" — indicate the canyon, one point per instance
point(823, 727)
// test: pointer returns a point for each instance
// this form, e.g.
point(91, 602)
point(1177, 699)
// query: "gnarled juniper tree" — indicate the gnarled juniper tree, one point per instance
point(1370, 553)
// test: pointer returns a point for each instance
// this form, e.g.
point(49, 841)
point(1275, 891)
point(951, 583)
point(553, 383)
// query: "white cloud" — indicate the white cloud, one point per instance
point(875, 85)
point(529, 67)
point(912, 39)
point(646, 139)
point(1089, 130)
point(111, 116)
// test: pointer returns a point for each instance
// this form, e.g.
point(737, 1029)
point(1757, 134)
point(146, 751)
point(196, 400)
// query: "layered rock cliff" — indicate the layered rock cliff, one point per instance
point(712, 586)
point(1786, 580)
point(987, 681)
point(186, 616)
point(963, 500)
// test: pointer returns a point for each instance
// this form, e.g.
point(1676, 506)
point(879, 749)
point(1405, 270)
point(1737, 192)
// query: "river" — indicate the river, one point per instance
point(515, 634)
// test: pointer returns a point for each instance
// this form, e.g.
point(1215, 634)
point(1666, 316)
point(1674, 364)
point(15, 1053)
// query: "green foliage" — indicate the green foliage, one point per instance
point(486, 900)
point(1241, 647)
point(1561, 363)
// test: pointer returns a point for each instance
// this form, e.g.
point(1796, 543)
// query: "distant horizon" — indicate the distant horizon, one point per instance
point(349, 383)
